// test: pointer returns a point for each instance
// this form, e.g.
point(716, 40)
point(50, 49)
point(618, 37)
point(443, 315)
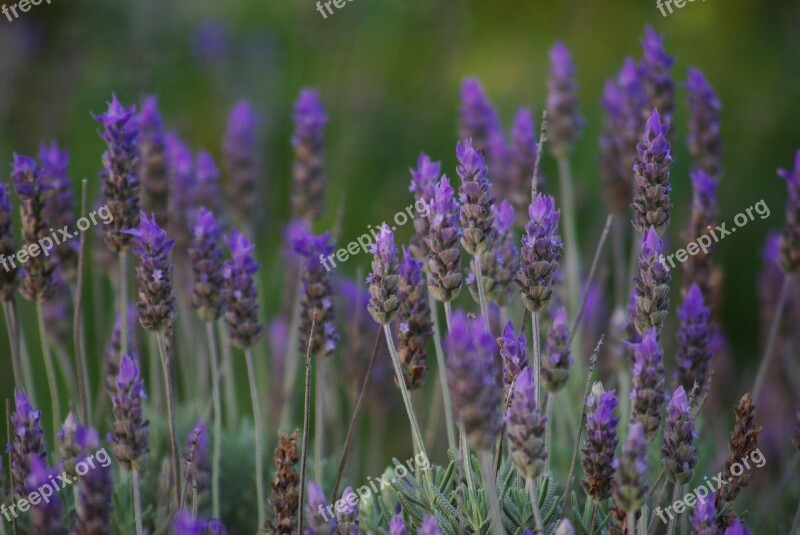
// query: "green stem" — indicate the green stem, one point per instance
point(52, 383)
point(306, 418)
point(537, 513)
point(77, 333)
point(227, 369)
point(490, 487)
point(537, 370)
point(481, 293)
point(594, 517)
point(251, 374)
point(440, 363)
point(173, 442)
point(676, 493)
point(292, 360)
point(13, 340)
point(319, 417)
point(137, 502)
point(471, 489)
point(548, 430)
point(123, 302)
point(215, 395)
point(773, 335)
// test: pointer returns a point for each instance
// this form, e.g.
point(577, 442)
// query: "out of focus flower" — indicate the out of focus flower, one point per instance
point(153, 170)
point(316, 301)
point(308, 174)
point(651, 287)
point(8, 275)
point(630, 483)
point(656, 68)
point(384, 278)
point(694, 343)
point(59, 206)
point(564, 121)
point(680, 455)
point(556, 358)
point(240, 292)
point(601, 442)
point(413, 327)
point(240, 149)
point(130, 428)
point(444, 258)
point(704, 141)
point(526, 428)
point(476, 200)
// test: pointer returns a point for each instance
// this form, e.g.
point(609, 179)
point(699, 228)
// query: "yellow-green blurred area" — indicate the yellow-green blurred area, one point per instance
point(389, 74)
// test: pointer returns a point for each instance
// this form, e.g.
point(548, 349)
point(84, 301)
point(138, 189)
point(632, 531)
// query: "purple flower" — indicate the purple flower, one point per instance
point(240, 151)
point(680, 455)
point(74, 439)
point(206, 189)
point(153, 168)
point(45, 516)
point(413, 327)
point(541, 252)
point(656, 66)
point(130, 428)
point(556, 358)
point(185, 524)
point(8, 275)
point(429, 526)
point(317, 306)
point(694, 343)
point(704, 517)
point(32, 189)
point(95, 490)
point(651, 287)
point(423, 186)
point(513, 351)
point(526, 427)
point(319, 522)
point(601, 441)
point(630, 482)
point(384, 279)
point(347, 516)
point(207, 267)
point(156, 304)
point(790, 239)
point(444, 258)
point(112, 355)
point(473, 378)
point(474, 194)
point(27, 441)
point(181, 188)
point(308, 174)
point(647, 394)
point(240, 292)
point(119, 174)
point(521, 159)
point(59, 202)
point(478, 119)
point(698, 269)
point(397, 526)
point(651, 205)
point(704, 141)
point(565, 122)
point(736, 528)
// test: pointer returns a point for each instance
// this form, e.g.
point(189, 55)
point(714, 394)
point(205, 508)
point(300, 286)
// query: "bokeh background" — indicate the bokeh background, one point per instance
point(389, 74)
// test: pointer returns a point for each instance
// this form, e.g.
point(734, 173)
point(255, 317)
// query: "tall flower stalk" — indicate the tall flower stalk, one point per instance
point(9, 281)
point(244, 330)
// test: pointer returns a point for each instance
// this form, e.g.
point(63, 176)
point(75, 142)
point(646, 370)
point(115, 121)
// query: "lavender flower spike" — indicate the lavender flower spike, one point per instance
point(153, 169)
point(429, 526)
point(656, 66)
point(413, 327)
point(318, 522)
point(565, 122)
point(384, 279)
point(8, 275)
point(478, 119)
point(521, 160)
point(651, 287)
point(95, 490)
point(513, 351)
point(541, 253)
point(526, 428)
point(347, 516)
point(704, 516)
point(308, 180)
point(27, 441)
point(46, 515)
point(317, 293)
point(423, 186)
point(651, 205)
point(444, 258)
point(186, 524)
point(790, 239)
point(476, 216)
point(472, 376)
point(207, 267)
point(119, 174)
point(704, 141)
point(630, 483)
point(156, 304)
point(736, 527)
point(397, 526)
point(647, 393)
point(556, 359)
point(241, 294)
point(130, 428)
point(698, 269)
point(59, 207)
point(680, 455)
point(205, 190)
point(31, 188)
point(240, 150)
point(694, 343)
point(181, 187)
point(601, 442)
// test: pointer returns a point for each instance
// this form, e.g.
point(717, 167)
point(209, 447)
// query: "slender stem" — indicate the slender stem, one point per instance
point(227, 370)
point(11, 489)
point(306, 418)
point(319, 417)
point(548, 430)
point(537, 514)
point(632, 523)
point(490, 487)
point(173, 442)
point(594, 517)
point(676, 493)
point(572, 260)
point(137, 502)
point(123, 302)
point(251, 374)
point(577, 321)
point(440, 363)
point(354, 419)
point(404, 391)
point(471, 490)
point(481, 290)
point(537, 369)
point(52, 383)
point(592, 363)
point(215, 395)
point(773, 334)
point(80, 356)
point(13, 339)
point(448, 315)
point(542, 140)
point(292, 359)
point(618, 247)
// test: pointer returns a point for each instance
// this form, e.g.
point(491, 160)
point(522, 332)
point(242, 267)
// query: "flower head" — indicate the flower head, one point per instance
point(347, 517)
point(130, 428)
point(59, 202)
point(429, 526)
point(541, 253)
point(444, 258)
point(521, 158)
point(317, 305)
point(647, 395)
point(651, 204)
point(423, 186)
point(656, 68)
point(240, 292)
point(556, 359)
point(308, 184)
point(704, 516)
point(478, 119)
point(27, 441)
point(526, 427)
point(207, 267)
point(513, 350)
point(704, 141)
point(650, 299)
point(474, 194)
point(384, 279)
point(630, 483)
point(680, 455)
point(156, 304)
point(240, 154)
point(565, 122)
point(153, 168)
point(46, 515)
point(698, 268)
point(601, 442)
point(413, 326)
point(694, 342)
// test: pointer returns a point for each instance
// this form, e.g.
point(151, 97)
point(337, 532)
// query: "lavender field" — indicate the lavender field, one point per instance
point(344, 268)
